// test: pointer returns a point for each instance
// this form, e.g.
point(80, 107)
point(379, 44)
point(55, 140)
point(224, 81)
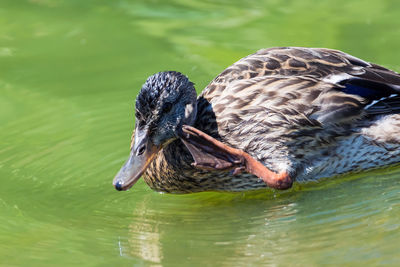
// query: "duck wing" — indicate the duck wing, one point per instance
point(340, 87)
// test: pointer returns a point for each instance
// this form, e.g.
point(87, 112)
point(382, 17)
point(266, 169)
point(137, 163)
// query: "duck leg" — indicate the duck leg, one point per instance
point(210, 154)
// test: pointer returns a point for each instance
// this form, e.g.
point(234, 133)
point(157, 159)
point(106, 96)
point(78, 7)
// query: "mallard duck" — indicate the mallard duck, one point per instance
point(274, 117)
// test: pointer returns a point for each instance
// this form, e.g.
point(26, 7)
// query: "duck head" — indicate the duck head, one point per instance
point(166, 102)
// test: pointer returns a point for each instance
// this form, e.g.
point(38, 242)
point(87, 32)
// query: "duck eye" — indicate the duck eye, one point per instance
point(167, 107)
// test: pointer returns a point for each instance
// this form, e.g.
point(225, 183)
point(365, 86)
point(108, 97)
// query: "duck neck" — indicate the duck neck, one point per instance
point(171, 170)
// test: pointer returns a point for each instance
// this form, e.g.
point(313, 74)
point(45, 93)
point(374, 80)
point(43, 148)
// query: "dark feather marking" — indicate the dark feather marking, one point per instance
point(272, 64)
point(301, 108)
point(294, 63)
point(271, 94)
point(242, 67)
point(256, 63)
point(225, 72)
point(331, 58)
point(280, 57)
point(253, 74)
point(211, 88)
point(218, 108)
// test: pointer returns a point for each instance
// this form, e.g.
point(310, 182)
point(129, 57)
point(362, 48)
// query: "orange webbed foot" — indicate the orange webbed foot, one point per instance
point(211, 154)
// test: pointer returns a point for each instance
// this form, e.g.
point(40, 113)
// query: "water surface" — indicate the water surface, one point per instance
point(69, 72)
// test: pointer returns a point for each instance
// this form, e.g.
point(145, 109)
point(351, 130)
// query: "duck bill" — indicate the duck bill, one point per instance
point(141, 155)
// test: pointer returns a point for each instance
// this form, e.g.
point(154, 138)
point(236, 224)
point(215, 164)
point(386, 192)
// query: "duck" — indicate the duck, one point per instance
point(275, 117)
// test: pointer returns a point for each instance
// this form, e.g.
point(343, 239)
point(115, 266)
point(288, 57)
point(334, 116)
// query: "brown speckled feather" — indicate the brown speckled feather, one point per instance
point(292, 109)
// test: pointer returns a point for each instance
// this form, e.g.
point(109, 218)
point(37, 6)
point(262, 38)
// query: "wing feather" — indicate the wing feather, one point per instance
point(347, 87)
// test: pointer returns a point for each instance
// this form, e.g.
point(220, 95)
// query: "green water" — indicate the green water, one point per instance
point(69, 72)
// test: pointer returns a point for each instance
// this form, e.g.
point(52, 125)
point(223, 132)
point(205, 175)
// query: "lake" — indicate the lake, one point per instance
point(69, 74)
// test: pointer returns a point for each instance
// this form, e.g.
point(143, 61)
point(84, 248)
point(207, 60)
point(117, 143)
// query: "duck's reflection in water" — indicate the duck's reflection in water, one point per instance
point(197, 230)
point(144, 240)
